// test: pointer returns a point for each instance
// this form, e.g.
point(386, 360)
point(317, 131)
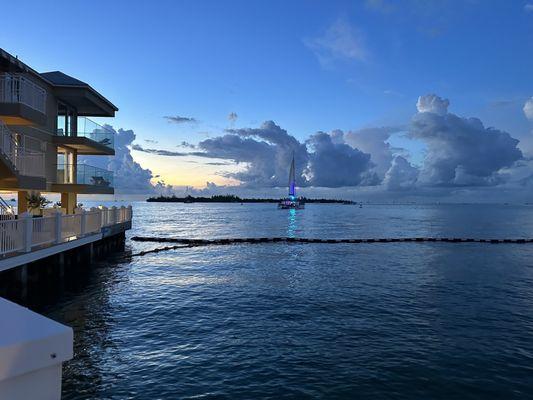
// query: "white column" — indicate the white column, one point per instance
point(113, 215)
point(94, 209)
point(83, 222)
point(27, 230)
point(58, 226)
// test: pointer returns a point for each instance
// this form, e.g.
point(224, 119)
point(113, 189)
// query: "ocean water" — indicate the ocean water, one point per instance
point(308, 321)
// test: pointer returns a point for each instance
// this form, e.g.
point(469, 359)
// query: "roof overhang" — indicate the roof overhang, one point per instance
point(87, 101)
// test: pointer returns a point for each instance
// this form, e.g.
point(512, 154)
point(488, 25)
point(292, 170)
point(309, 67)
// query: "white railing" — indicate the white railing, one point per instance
point(18, 89)
point(25, 233)
point(25, 161)
point(11, 236)
point(43, 231)
point(70, 226)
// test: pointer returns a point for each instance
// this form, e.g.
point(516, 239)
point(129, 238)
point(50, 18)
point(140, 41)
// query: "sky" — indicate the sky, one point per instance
point(376, 98)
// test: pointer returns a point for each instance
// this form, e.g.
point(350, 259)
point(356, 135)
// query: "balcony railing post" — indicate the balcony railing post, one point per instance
point(83, 222)
point(58, 216)
point(27, 231)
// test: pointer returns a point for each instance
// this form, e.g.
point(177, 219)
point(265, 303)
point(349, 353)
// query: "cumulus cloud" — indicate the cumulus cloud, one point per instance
point(266, 152)
point(324, 160)
point(401, 175)
point(176, 119)
point(433, 104)
point(460, 151)
point(528, 109)
point(340, 41)
point(374, 142)
point(337, 164)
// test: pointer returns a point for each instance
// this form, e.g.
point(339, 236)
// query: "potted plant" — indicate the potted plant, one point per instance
point(36, 202)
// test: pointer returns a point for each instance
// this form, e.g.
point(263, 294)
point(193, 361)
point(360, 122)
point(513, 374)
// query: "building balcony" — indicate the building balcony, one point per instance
point(20, 167)
point(23, 101)
point(83, 178)
point(90, 138)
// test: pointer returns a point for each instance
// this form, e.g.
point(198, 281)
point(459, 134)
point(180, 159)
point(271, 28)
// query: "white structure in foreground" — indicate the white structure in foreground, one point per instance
point(32, 350)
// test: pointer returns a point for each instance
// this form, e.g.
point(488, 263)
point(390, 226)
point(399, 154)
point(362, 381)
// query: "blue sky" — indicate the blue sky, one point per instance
point(307, 65)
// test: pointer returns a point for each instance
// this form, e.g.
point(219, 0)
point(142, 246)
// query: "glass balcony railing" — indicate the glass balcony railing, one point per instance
point(84, 174)
point(91, 130)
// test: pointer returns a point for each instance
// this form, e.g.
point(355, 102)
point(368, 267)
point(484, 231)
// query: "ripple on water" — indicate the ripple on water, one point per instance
point(399, 320)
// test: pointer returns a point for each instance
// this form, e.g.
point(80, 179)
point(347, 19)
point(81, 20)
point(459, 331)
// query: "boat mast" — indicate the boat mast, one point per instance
point(292, 177)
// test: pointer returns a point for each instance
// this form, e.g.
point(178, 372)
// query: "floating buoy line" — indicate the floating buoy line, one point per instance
point(187, 243)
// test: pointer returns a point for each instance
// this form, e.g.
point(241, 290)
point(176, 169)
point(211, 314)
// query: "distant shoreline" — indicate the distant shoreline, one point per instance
point(237, 199)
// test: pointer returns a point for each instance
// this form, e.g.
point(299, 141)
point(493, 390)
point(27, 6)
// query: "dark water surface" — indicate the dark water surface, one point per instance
point(298, 321)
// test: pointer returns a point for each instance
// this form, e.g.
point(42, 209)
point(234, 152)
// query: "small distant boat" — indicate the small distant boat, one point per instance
point(292, 201)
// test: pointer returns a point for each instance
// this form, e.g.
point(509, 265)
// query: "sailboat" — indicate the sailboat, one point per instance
point(291, 201)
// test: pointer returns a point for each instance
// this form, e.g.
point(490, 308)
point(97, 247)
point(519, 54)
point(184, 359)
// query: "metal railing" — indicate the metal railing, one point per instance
point(84, 174)
point(24, 161)
point(93, 131)
point(16, 88)
point(26, 233)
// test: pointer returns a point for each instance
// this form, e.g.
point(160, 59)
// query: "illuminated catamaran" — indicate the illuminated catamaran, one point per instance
point(292, 201)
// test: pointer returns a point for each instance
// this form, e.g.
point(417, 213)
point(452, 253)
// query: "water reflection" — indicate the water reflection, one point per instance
point(292, 225)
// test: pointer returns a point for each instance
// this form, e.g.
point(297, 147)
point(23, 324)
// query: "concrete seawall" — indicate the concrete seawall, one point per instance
point(27, 283)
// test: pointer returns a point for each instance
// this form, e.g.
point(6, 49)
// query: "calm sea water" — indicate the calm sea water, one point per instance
point(297, 321)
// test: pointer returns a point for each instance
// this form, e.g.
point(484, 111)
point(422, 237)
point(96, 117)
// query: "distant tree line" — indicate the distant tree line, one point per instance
point(230, 198)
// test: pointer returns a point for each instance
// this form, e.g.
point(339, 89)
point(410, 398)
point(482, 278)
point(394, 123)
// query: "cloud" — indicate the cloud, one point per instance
point(401, 175)
point(433, 104)
point(129, 176)
point(528, 109)
point(337, 164)
point(232, 116)
point(159, 152)
point(460, 151)
point(341, 41)
point(186, 145)
point(151, 141)
point(528, 7)
point(374, 142)
point(266, 152)
point(176, 119)
point(461, 155)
